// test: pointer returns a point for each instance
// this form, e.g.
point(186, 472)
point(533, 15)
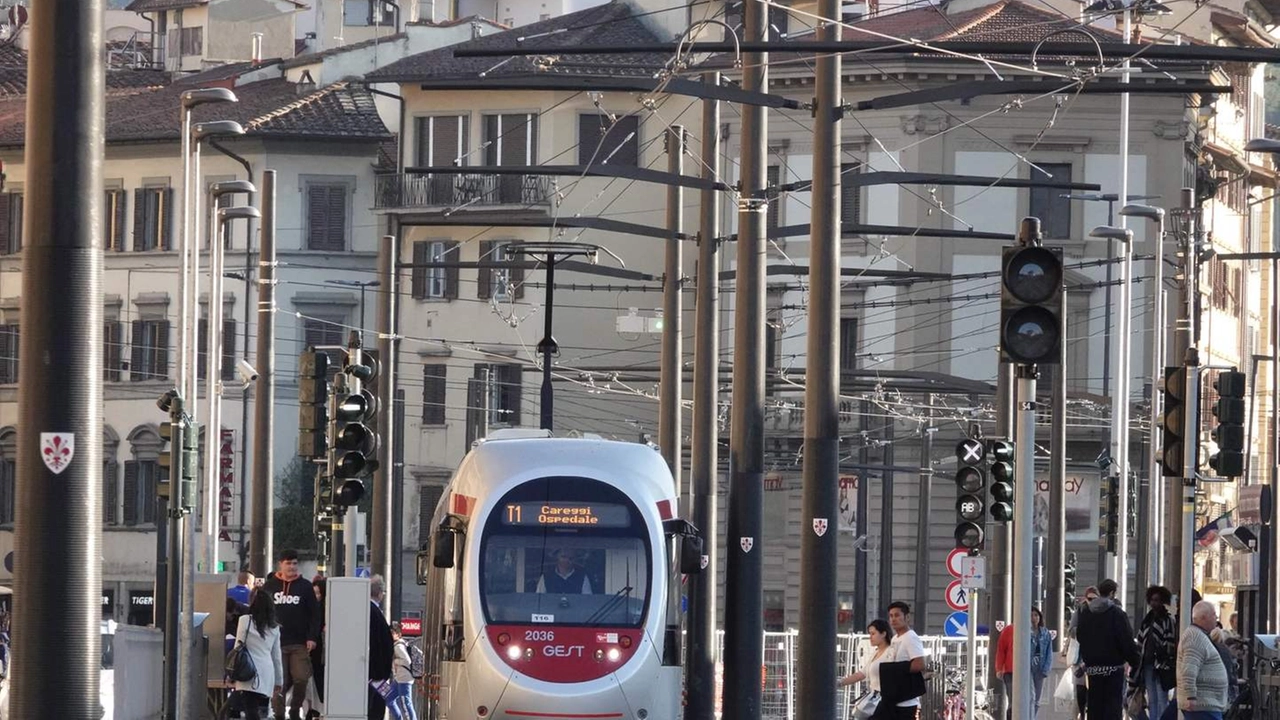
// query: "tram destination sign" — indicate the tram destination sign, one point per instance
point(566, 514)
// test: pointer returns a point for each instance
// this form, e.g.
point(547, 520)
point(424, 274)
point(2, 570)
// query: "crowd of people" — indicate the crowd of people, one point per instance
point(280, 624)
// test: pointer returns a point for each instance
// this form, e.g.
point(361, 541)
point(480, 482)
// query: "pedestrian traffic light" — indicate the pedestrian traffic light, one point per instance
point(1110, 512)
point(313, 396)
point(1229, 433)
point(1030, 293)
point(1002, 479)
point(971, 482)
point(1173, 422)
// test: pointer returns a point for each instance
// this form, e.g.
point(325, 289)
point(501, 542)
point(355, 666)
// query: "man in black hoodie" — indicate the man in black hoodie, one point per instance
point(1106, 645)
point(300, 618)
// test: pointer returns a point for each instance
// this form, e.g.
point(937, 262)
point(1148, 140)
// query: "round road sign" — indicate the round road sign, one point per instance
point(957, 596)
point(953, 561)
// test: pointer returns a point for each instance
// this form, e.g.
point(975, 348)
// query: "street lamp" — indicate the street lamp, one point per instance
point(1155, 490)
point(362, 284)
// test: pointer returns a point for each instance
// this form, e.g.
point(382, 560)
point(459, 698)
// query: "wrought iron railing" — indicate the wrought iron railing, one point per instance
point(419, 190)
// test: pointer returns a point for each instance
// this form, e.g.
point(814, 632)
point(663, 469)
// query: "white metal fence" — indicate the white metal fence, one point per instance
point(946, 658)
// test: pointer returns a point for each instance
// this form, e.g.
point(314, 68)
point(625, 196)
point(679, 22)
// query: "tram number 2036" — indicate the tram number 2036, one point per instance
point(539, 635)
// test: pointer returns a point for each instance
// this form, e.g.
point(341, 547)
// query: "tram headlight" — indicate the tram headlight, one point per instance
point(614, 654)
point(513, 652)
point(528, 653)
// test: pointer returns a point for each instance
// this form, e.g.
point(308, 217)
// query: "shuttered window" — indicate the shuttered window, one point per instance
point(434, 282)
point(433, 394)
point(326, 216)
point(602, 141)
point(150, 351)
point(773, 212)
point(442, 140)
point(510, 140)
point(112, 350)
point(848, 344)
point(1049, 205)
point(10, 223)
point(113, 239)
point(8, 354)
point(850, 194)
point(109, 489)
point(428, 498)
point(503, 385)
point(8, 490)
point(228, 364)
point(499, 283)
point(153, 219)
point(140, 492)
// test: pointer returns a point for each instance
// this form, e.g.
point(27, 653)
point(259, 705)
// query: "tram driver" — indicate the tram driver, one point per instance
point(566, 578)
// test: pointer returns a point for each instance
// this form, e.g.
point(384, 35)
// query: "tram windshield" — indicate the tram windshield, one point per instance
point(565, 551)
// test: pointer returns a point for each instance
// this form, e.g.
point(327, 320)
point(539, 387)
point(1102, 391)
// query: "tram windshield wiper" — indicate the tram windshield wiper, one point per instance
point(624, 593)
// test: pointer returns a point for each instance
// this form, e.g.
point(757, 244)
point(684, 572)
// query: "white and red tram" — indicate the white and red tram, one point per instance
point(553, 583)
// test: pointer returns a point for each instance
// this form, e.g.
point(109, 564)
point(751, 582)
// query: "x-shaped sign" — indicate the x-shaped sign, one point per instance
point(970, 452)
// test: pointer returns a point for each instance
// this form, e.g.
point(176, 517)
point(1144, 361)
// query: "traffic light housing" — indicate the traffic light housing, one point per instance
point(1110, 512)
point(1229, 432)
point(1002, 480)
point(188, 494)
point(1030, 297)
point(313, 398)
point(354, 443)
point(164, 462)
point(971, 482)
point(1173, 422)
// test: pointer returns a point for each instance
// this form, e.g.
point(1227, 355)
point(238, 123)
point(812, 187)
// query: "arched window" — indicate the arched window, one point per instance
point(110, 476)
point(140, 475)
point(8, 474)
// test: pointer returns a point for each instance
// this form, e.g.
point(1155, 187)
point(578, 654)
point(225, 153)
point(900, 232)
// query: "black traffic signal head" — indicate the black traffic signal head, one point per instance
point(1173, 421)
point(313, 397)
point(1030, 291)
point(971, 483)
point(1002, 479)
point(348, 492)
point(969, 535)
point(1229, 432)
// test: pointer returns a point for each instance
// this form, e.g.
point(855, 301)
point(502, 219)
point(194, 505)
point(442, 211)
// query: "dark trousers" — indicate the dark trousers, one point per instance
point(251, 704)
point(906, 713)
point(377, 706)
point(1082, 699)
point(1106, 697)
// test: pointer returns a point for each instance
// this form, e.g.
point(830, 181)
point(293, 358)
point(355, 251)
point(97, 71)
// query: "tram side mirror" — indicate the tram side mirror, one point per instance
point(442, 549)
point(423, 566)
point(690, 555)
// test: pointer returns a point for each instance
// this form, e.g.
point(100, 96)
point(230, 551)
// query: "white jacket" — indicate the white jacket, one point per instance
point(400, 663)
point(265, 652)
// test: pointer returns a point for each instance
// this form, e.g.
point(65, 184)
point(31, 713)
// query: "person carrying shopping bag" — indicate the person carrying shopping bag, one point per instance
point(866, 705)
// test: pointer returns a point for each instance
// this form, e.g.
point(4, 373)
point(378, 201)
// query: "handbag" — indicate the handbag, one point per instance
point(865, 706)
point(240, 667)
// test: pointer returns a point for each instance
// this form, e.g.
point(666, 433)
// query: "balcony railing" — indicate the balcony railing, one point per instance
point(413, 190)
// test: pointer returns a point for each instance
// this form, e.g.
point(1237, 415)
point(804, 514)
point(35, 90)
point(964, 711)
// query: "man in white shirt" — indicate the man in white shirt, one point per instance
point(905, 646)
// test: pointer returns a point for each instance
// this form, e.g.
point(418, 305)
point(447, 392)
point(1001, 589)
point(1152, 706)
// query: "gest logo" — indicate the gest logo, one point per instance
point(282, 599)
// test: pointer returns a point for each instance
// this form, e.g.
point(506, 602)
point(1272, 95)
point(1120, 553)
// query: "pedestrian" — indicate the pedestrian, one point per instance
point(906, 650)
point(402, 675)
point(381, 651)
point(1073, 660)
point(1106, 646)
point(1156, 674)
point(317, 654)
point(1219, 637)
point(1202, 678)
point(243, 587)
point(300, 618)
point(259, 632)
point(878, 634)
point(1041, 659)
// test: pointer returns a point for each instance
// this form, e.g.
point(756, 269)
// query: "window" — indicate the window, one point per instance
point(150, 359)
point(153, 218)
point(434, 282)
point(113, 221)
point(850, 194)
point(499, 283)
point(778, 18)
point(8, 354)
point(775, 609)
point(8, 489)
point(140, 477)
point(109, 489)
point(189, 41)
point(442, 140)
point(502, 384)
point(773, 212)
point(112, 350)
point(326, 219)
point(433, 394)
point(10, 222)
point(1048, 204)
point(325, 331)
point(363, 13)
point(511, 140)
point(604, 142)
point(848, 344)
point(228, 370)
point(428, 497)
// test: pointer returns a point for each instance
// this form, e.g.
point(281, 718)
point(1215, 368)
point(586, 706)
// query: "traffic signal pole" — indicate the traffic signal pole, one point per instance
point(264, 395)
point(1023, 538)
point(1055, 610)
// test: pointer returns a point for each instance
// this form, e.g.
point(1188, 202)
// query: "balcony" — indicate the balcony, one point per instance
point(428, 191)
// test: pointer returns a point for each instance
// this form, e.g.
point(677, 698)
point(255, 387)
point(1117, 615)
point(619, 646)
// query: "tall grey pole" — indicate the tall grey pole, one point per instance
point(351, 386)
point(172, 699)
point(1055, 575)
point(58, 539)
point(1024, 533)
point(671, 378)
point(999, 544)
point(1273, 557)
point(260, 525)
point(1191, 417)
point(380, 546)
point(920, 608)
point(820, 493)
point(744, 622)
point(1124, 370)
point(704, 468)
point(1184, 231)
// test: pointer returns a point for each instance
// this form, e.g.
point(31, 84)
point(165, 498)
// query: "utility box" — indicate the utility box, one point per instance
point(139, 668)
point(346, 648)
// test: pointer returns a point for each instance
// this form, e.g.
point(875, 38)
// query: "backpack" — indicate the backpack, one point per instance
point(417, 661)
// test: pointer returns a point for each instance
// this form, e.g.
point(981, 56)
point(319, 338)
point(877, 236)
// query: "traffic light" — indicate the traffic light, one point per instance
point(354, 443)
point(970, 484)
point(190, 472)
point(165, 461)
point(1110, 512)
point(1173, 422)
point(1002, 472)
point(313, 396)
point(1229, 433)
point(1030, 294)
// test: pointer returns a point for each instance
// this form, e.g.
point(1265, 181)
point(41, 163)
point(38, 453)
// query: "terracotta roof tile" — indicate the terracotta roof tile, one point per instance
point(13, 75)
point(1006, 20)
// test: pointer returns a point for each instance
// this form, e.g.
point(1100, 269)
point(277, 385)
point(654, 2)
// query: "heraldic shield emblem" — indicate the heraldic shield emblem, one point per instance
point(747, 543)
point(57, 449)
point(820, 526)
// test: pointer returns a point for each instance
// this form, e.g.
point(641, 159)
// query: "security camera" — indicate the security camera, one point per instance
point(246, 371)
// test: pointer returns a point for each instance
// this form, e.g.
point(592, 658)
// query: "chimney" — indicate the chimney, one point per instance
point(256, 52)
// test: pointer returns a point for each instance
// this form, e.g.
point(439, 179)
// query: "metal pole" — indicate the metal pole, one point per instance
point(1000, 545)
point(184, 277)
point(920, 608)
point(260, 526)
point(704, 458)
point(1273, 588)
point(380, 545)
point(1023, 537)
point(192, 400)
point(1174, 547)
point(971, 656)
point(820, 492)
point(744, 627)
point(243, 550)
point(548, 344)
point(178, 552)
point(350, 538)
point(1191, 418)
point(58, 538)
point(671, 379)
point(861, 559)
point(1055, 607)
point(1120, 397)
point(212, 379)
point(1151, 543)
